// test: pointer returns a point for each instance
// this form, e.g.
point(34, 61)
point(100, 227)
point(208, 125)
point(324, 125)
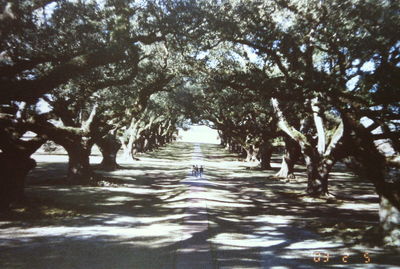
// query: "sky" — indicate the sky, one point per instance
point(199, 134)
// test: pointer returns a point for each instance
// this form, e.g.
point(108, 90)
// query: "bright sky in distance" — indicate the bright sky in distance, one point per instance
point(199, 134)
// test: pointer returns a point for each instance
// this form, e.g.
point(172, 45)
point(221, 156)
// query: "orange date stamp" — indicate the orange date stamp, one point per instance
point(326, 257)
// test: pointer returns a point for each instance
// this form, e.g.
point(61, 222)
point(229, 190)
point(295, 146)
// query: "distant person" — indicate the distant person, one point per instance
point(196, 171)
point(193, 170)
point(201, 170)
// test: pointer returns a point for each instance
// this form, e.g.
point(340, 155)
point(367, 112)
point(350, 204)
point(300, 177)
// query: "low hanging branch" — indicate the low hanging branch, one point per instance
point(319, 125)
point(31, 89)
point(284, 125)
point(26, 90)
point(7, 13)
point(86, 124)
point(337, 136)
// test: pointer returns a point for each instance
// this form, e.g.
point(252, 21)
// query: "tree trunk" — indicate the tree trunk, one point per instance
point(249, 154)
point(317, 176)
point(135, 150)
point(79, 169)
point(319, 161)
point(15, 163)
point(222, 138)
point(109, 161)
point(289, 159)
point(388, 189)
point(146, 144)
point(228, 143)
point(152, 142)
point(228, 146)
point(124, 147)
point(131, 135)
point(389, 216)
point(14, 168)
point(319, 168)
point(109, 147)
point(286, 170)
point(231, 146)
point(254, 154)
point(128, 149)
point(375, 168)
point(143, 144)
point(265, 157)
point(235, 148)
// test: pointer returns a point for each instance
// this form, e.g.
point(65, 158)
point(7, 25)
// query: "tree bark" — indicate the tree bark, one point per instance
point(228, 146)
point(79, 169)
point(389, 216)
point(317, 176)
point(15, 161)
point(14, 168)
point(286, 170)
point(222, 138)
point(152, 142)
point(374, 167)
point(254, 153)
point(287, 167)
point(319, 160)
point(319, 125)
point(289, 159)
point(131, 133)
point(265, 156)
point(232, 146)
point(128, 150)
point(109, 147)
point(249, 154)
point(146, 144)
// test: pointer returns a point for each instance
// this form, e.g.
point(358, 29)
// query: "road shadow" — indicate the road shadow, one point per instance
point(252, 208)
point(254, 220)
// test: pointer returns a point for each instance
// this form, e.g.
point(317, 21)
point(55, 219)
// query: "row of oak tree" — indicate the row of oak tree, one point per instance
point(320, 76)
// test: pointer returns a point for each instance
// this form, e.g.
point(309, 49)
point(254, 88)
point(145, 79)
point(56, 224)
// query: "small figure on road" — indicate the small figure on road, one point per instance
point(194, 170)
point(201, 170)
point(196, 173)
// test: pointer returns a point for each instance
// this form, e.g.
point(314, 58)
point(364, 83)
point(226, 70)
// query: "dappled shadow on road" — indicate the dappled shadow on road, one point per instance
point(254, 221)
point(253, 210)
point(132, 225)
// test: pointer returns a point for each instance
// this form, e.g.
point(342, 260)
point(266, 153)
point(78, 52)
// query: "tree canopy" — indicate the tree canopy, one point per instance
point(320, 78)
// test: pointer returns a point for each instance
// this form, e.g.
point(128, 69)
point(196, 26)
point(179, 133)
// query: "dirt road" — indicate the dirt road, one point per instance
point(157, 215)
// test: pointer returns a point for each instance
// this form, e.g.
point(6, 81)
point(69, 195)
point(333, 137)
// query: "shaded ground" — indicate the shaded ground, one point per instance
point(246, 219)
